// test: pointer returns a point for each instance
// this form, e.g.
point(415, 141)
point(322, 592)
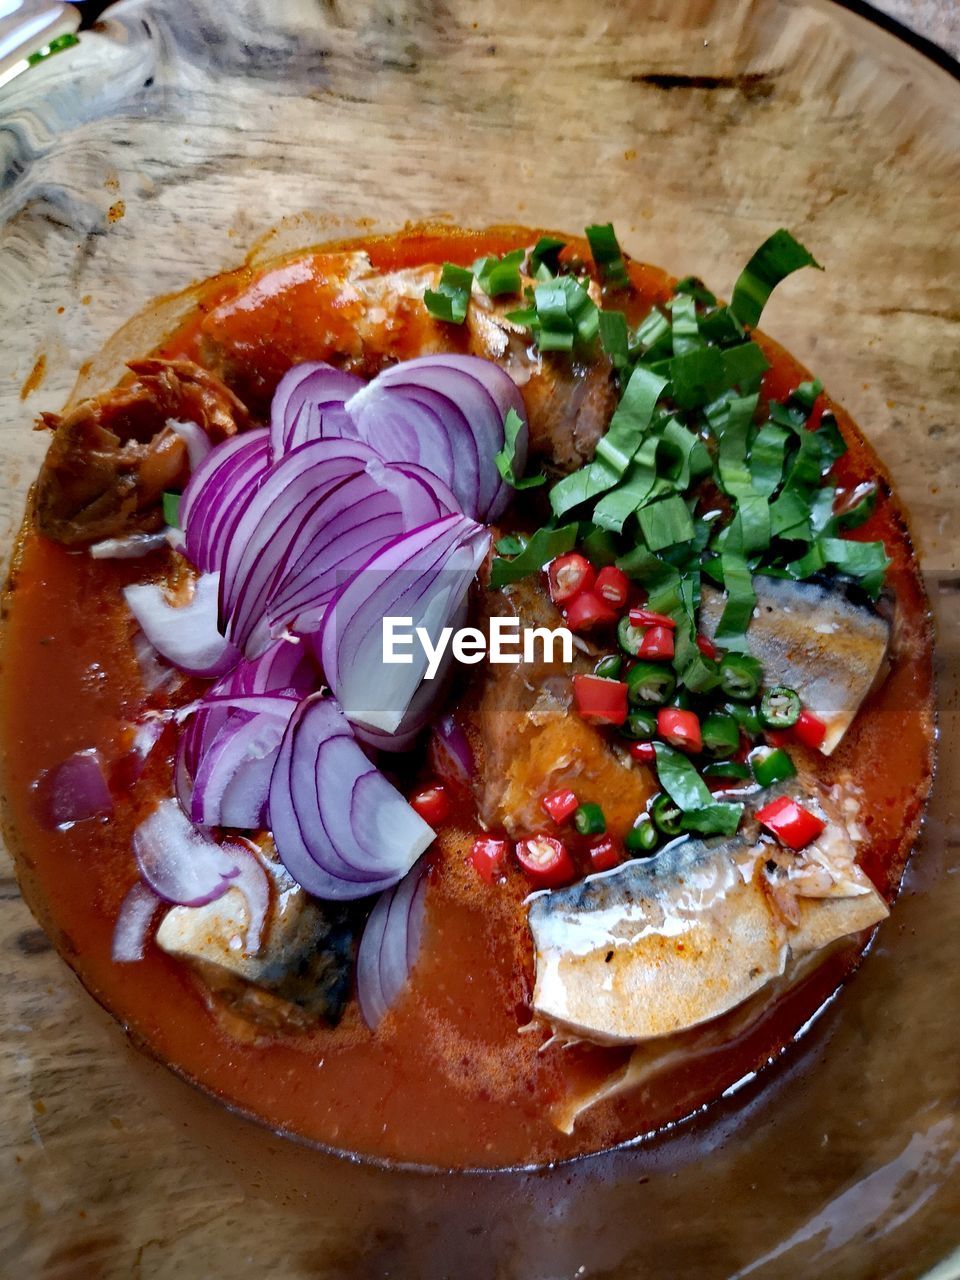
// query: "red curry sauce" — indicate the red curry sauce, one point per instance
point(447, 1079)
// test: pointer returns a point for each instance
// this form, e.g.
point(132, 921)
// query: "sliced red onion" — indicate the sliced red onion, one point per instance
point(186, 636)
point(288, 511)
point(341, 829)
point(133, 923)
point(390, 945)
point(423, 575)
point(450, 752)
point(233, 779)
point(445, 412)
point(130, 547)
point(74, 791)
point(367, 511)
point(308, 405)
point(218, 493)
point(194, 437)
point(147, 735)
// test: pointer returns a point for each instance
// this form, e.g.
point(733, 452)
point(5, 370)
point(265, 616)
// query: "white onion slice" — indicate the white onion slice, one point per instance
point(133, 923)
point(186, 636)
point(130, 547)
point(194, 437)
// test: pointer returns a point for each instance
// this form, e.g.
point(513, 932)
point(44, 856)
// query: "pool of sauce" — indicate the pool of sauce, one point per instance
point(452, 1077)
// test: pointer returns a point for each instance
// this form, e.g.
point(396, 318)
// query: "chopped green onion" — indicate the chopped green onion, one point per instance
point(497, 276)
point(546, 253)
point(685, 329)
point(696, 289)
point(771, 765)
point(652, 683)
point(806, 394)
point(608, 256)
point(511, 544)
point(545, 545)
point(741, 676)
point(171, 509)
point(588, 820)
point(778, 257)
point(598, 546)
point(780, 708)
point(449, 301)
point(665, 523)
point(512, 426)
point(615, 338)
point(630, 421)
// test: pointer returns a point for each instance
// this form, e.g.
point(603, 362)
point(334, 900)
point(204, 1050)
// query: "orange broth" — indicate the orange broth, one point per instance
point(447, 1079)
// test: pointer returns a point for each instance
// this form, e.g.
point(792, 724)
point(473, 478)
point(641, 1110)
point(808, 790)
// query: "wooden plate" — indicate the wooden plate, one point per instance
point(161, 149)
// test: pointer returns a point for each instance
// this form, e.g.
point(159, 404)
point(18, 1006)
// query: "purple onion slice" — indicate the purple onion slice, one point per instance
point(308, 405)
point(74, 791)
point(390, 945)
point(341, 829)
point(447, 413)
point(217, 494)
point(423, 575)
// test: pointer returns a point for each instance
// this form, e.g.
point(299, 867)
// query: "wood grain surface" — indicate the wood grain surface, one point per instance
point(158, 152)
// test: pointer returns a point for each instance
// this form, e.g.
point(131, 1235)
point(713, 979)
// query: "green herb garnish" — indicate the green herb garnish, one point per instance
point(171, 509)
point(449, 301)
point(607, 255)
point(512, 426)
point(545, 545)
point(778, 257)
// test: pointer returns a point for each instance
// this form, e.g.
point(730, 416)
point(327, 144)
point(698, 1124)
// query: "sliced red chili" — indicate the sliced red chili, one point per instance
point(604, 854)
point(489, 857)
point(613, 585)
point(546, 860)
point(793, 825)
point(647, 618)
point(560, 805)
point(588, 611)
point(432, 804)
point(680, 728)
point(656, 645)
point(810, 730)
point(645, 752)
point(569, 575)
point(708, 648)
point(599, 700)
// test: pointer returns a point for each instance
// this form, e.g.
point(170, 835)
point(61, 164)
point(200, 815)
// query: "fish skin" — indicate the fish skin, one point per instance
point(667, 943)
point(301, 972)
point(813, 638)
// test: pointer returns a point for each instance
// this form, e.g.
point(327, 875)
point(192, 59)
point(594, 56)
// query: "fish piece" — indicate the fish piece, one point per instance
point(112, 456)
point(299, 975)
point(532, 740)
point(339, 308)
point(670, 942)
point(814, 638)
